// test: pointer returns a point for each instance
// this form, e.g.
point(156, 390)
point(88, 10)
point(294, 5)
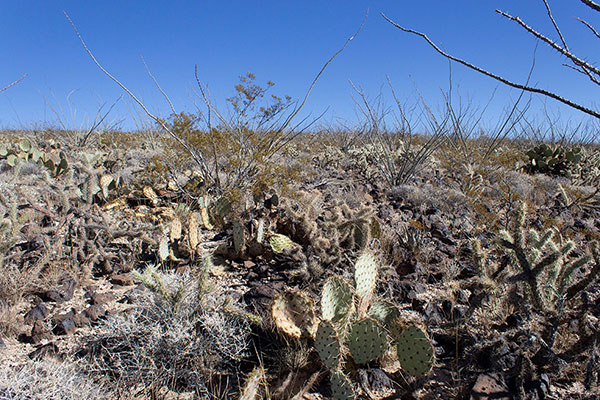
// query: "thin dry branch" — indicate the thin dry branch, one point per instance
point(195, 156)
point(13, 83)
point(158, 86)
point(291, 117)
point(565, 52)
point(594, 31)
point(592, 4)
point(560, 35)
point(505, 81)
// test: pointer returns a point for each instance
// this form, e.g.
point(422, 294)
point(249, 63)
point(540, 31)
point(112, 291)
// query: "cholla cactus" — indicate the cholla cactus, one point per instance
point(544, 264)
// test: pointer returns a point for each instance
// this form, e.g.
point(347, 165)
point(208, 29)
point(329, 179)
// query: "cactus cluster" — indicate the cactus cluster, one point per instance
point(545, 263)
point(555, 160)
point(354, 328)
point(352, 229)
point(26, 151)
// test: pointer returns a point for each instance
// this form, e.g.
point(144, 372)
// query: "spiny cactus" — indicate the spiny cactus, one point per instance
point(552, 159)
point(327, 344)
point(239, 237)
point(280, 243)
point(293, 313)
point(366, 341)
point(545, 265)
point(341, 387)
point(362, 337)
point(415, 351)
point(353, 229)
point(337, 300)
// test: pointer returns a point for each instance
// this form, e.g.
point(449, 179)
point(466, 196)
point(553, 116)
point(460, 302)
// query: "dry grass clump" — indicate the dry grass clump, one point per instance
point(158, 345)
point(47, 379)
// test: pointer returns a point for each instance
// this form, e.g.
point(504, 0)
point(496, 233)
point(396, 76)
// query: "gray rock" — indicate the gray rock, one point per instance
point(37, 313)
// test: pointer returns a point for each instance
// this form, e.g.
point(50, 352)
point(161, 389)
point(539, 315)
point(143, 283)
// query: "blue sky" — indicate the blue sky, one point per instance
point(282, 41)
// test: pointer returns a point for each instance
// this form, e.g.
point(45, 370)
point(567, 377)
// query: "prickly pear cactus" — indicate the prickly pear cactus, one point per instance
point(163, 249)
point(280, 243)
point(366, 341)
point(293, 313)
point(341, 387)
point(193, 231)
point(415, 351)
point(328, 345)
point(337, 300)
point(365, 275)
point(384, 312)
point(239, 237)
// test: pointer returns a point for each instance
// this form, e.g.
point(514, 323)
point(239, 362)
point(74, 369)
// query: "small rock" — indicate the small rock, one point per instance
point(61, 293)
point(57, 319)
point(100, 297)
point(39, 333)
point(2, 345)
point(66, 327)
point(249, 264)
point(38, 312)
point(81, 320)
point(94, 312)
point(490, 386)
point(122, 279)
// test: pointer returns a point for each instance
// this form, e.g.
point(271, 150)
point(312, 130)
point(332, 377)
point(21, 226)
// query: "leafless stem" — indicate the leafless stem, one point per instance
point(158, 86)
point(564, 51)
point(197, 158)
point(13, 83)
point(505, 81)
point(592, 4)
point(562, 39)
point(594, 31)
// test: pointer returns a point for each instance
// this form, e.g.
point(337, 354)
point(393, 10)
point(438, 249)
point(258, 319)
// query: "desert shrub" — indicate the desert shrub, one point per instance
point(240, 151)
point(159, 345)
point(47, 379)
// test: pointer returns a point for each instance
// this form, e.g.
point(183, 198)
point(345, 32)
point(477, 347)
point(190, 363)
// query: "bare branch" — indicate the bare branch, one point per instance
point(158, 86)
point(594, 31)
point(13, 83)
point(197, 158)
point(291, 117)
point(527, 88)
point(576, 60)
point(562, 39)
point(592, 4)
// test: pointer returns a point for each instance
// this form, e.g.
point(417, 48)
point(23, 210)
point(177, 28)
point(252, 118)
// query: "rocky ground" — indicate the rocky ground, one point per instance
point(120, 282)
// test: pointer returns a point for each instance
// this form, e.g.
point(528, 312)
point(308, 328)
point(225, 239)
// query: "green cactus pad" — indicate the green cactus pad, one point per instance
point(280, 243)
point(341, 387)
point(366, 341)
point(415, 351)
point(337, 300)
point(365, 275)
point(328, 345)
point(239, 237)
point(293, 313)
point(383, 312)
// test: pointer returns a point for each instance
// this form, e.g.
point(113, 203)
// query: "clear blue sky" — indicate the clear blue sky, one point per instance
point(283, 41)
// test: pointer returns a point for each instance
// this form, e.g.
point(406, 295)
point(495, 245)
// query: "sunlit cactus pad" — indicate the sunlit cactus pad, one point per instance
point(293, 313)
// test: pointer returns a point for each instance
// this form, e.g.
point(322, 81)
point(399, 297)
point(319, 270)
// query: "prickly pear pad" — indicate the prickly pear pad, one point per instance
point(279, 243)
point(328, 345)
point(293, 313)
point(415, 351)
point(365, 275)
point(337, 300)
point(366, 341)
point(341, 387)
